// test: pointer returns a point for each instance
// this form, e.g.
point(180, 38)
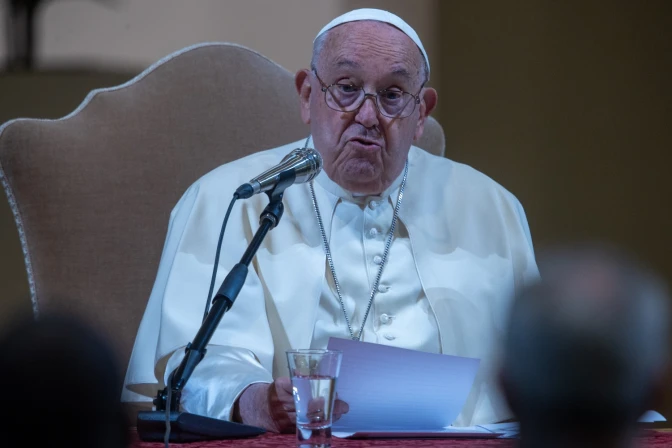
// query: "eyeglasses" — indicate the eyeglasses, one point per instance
point(392, 103)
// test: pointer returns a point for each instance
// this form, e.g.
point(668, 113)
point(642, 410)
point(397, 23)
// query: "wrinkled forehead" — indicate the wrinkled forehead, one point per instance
point(379, 16)
point(362, 45)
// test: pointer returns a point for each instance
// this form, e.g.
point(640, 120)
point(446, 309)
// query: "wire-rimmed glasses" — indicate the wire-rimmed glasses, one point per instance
point(392, 103)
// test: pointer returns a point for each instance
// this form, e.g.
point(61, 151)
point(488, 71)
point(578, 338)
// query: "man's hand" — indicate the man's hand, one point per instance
point(271, 406)
point(268, 406)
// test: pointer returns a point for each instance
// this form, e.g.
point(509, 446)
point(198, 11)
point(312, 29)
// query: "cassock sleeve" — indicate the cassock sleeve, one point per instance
point(241, 350)
point(524, 260)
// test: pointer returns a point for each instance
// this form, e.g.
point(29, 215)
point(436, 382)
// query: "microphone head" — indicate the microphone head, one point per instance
point(307, 164)
point(301, 165)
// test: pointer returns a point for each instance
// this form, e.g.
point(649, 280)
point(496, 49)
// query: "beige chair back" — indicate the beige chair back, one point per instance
point(92, 192)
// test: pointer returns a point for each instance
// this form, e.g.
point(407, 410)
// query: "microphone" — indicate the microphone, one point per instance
point(299, 166)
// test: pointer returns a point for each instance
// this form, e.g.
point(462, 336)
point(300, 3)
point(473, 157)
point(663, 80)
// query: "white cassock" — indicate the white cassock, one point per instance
point(461, 250)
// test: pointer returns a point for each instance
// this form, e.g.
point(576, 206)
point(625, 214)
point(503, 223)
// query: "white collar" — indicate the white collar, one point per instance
point(332, 187)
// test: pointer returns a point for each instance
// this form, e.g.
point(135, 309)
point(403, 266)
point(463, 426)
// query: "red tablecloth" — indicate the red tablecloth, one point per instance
point(649, 439)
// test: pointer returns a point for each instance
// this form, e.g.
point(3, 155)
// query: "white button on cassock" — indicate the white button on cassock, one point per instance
point(377, 259)
point(384, 318)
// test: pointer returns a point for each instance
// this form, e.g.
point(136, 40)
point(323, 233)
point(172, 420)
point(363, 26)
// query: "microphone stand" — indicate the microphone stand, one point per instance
point(186, 427)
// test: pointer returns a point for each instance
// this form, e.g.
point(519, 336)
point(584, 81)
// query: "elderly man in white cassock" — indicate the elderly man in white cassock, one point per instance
point(388, 244)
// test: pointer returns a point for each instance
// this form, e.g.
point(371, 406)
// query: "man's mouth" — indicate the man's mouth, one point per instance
point(365, 142)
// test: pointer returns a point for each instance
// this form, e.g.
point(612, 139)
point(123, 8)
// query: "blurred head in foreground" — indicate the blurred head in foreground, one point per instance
point(586, 349)
point(59, 382)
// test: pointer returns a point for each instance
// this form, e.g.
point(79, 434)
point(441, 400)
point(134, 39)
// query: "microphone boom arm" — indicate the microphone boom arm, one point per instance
point(224, 299)
point(221, 303)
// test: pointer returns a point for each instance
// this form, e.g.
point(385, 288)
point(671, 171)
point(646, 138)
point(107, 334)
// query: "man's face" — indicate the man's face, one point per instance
point(364, 151)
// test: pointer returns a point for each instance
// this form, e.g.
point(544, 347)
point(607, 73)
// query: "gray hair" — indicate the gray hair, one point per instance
point(585, 344)
point(318, 46)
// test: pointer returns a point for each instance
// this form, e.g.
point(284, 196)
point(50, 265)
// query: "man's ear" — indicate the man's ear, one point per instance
point(303, 88)
point(427, 104)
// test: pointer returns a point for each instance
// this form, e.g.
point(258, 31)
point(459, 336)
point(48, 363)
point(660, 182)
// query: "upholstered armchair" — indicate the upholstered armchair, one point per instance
point(91, 193)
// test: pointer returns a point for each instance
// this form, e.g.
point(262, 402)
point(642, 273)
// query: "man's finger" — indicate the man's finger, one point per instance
point(284, 384)
point(288, 405)
point(283, 387)
point(341, 407)
point(279, 411)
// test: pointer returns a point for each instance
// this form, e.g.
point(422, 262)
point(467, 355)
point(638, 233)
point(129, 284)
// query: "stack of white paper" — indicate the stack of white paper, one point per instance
point(395, 392)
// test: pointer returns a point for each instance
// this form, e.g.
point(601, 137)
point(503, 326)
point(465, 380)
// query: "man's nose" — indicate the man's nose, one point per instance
point(367, 115)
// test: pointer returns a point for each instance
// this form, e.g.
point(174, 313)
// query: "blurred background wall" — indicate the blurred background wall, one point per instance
point(567, 104)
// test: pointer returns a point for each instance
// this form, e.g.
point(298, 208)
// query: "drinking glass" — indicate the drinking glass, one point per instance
point(314, 374)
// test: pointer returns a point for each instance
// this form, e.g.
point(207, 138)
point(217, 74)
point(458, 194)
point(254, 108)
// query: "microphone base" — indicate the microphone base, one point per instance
point(186, 427)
